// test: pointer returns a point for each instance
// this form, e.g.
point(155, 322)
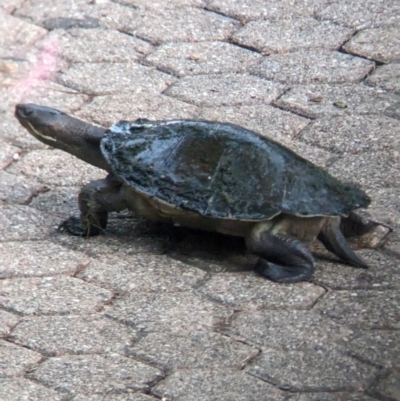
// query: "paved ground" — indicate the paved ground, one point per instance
point(149, 312)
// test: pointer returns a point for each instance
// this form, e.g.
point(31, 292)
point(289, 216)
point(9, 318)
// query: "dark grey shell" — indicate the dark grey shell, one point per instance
point(223, 171)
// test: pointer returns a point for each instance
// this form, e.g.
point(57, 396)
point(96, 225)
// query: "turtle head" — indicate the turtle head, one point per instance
point(59, 130)
point(44, 123)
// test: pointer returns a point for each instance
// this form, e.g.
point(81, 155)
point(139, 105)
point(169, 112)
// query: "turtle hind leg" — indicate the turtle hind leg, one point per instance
point(335, 242)
point(96, 199)
point(283, 259)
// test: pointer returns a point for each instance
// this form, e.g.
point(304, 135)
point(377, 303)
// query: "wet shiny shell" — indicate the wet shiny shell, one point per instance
point(223, 171)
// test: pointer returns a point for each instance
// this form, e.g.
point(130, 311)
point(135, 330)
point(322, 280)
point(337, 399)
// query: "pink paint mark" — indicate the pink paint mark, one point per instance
point(43, 68)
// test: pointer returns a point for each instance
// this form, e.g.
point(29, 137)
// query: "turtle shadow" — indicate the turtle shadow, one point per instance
point(208, 251)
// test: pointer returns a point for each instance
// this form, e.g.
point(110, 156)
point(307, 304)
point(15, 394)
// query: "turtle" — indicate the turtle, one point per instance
point(208, 175)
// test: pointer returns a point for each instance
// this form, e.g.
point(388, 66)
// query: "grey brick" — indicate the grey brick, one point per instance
point(202, 58)
point(106, 110)
point(285, 329)
point(55, 167)
point(370, 13)
point(382, 274)
point(169, 312)
point(51, 295)
point(253, 292)
point(38, 258)
point(320, 66)
point(15, 360)
point(59, 335)
point(380, 44)
point(11, 69)
point(15, 32)
point(336, 396)
point(17, 389)
point(272, 123)
point(322, 369)
point(8, 153)
point(389, 388)
point(160, 4)
point(141, 272)
point(17, 189)
point(385, 206)
point(386, 77)
point(393, 245)
point(7, 79)
point(316, 155)
point(117, 397)
point(37, 12)
point(53, 14)
point(379, 347)
point(44, 92)
point(256, 9)
point(381, 209)
point(357, 133)
point(393, 111)
point(59, 201)
point(14, 134)
point(374, 170)
point(182, 25)
point(359, 308)
point(77, 45)
point(286, 35)
point(263, 119)
point(193, 349)
point(7, 321)
point(215, 385)
point(109, 78)
point(24, 223)
point(9, 6)
point(328, 99)
point(95, 374)
point(225, 89)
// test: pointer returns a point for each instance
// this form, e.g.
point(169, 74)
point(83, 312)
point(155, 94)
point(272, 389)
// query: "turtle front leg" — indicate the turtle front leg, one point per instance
point(96, 200)
point(283, 259)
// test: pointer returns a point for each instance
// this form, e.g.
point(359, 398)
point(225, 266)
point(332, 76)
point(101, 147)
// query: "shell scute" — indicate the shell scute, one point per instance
point(222, 170)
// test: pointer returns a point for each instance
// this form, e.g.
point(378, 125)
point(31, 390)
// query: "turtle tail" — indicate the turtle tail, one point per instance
point(335, 242)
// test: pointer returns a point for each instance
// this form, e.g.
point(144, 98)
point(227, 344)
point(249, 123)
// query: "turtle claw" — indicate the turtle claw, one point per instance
point(73, 225)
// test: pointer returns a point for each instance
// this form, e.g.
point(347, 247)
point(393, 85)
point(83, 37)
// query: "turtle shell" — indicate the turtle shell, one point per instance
point(223, 170)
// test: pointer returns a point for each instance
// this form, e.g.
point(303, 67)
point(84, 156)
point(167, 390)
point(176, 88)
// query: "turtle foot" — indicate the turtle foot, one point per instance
point(283, 259)
point(74, 225)
point(282, 274)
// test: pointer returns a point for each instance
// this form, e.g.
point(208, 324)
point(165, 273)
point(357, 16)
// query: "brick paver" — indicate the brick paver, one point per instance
point(146, 311)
